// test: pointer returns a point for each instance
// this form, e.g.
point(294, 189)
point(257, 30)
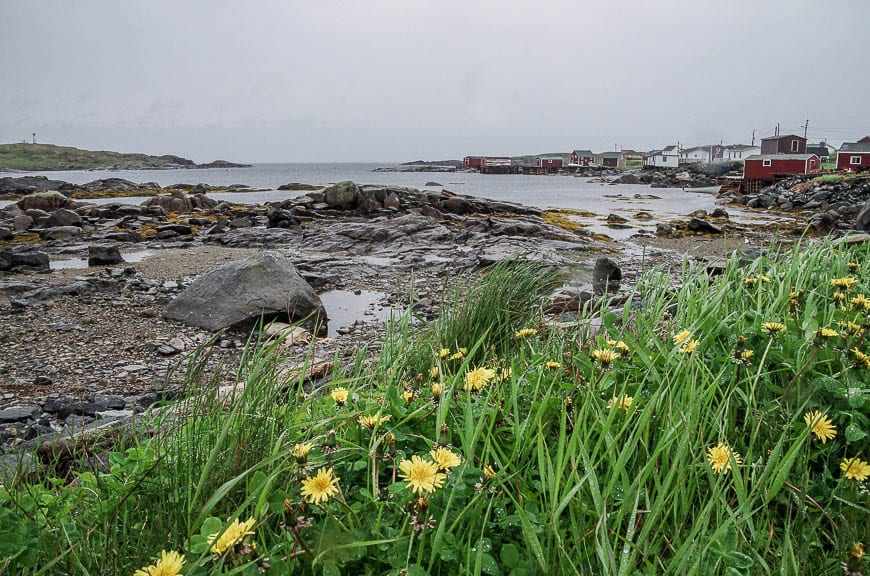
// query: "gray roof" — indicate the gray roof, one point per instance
point(740, 147)
point(855, 147)
point(611, 154)
point(669, 148)
point(784, 136)
point(780, 156)
point(584, 153)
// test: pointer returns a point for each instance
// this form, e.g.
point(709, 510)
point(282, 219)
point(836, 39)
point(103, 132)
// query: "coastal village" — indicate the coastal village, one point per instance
point(776, 157)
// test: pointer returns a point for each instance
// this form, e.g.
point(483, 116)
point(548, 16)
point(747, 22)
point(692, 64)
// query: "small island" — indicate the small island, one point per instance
point(38, 157)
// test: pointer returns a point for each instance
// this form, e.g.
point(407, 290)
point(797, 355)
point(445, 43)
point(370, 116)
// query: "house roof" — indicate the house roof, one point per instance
point(671, 148)
point(629, 151)
point(611, 154)
point(780, 156)
point(740, 147)
point(583, 153)
point(855, 147)
point(783, 136)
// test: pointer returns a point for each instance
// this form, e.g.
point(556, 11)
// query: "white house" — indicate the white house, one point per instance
point(740, 151)
point(669, 157)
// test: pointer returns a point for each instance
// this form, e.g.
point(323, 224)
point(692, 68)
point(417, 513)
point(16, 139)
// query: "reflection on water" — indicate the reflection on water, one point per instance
point(344, 308)
point(76, 263)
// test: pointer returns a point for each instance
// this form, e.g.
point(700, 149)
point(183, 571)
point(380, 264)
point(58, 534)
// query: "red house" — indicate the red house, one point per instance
point(550, 162)
point(786, 144)
point(473, 161)
point(771, 166)
point(854, 156)
point(581, 158)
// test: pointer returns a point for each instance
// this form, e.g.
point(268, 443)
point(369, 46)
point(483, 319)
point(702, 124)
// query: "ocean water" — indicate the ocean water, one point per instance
point(540, 191)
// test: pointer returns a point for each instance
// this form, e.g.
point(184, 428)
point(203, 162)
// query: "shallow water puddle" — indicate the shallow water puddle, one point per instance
point(76, 263)
point(345, 307)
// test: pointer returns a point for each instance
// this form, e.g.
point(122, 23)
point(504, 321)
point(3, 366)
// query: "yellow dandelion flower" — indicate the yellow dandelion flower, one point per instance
point(773, 327)
point(457, 356)
point(860, 301)
point(552, 365)
point(437, 389)
point(408, 395)
point(622, 402)
point(689, 346)
point(721, 457)
point(231, 537)
point(525, 332)
point(605, 355)
point(339, 395)
point(445, 459)
point(300, 451)
point(477, 379)
point(852, 327)
point(421, 475)
point(320, 487)
point(763, 278)
point(444, 353)
point(844, 283)
point(681, 336)
point(750, 281)
point(747, 354)
point(840, 296)
point(857, 551)
point(862, 358)
point(170, 564)
point(488, 472)
point(372, 421)
point(434, 372)
point(853, 266)
point(463, 351)
point(855, 469)
point(821, 425)
point(827, 333)
point(619, 345)
point(505, 374)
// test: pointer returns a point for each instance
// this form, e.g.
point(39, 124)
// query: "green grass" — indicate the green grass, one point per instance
point(50, 157)
point(555, 478)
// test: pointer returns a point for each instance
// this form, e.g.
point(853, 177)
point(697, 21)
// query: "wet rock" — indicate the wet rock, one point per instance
point(22, 222)
point(342, 195)
point(26, 258)
point(702, 226)
point(109, 401)
point(47, 201)
point(100, 255)
point(266, 284)
point(862, 221)
point(19, 413)
point(61, 233)
point(183, 229)
point(824, 221)
point(6, 233)
point(63, 217)
point(719, 213)
point(606, 276)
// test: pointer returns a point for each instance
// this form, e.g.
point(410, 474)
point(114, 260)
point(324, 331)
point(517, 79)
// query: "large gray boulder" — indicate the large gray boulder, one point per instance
point(47, 201)
point(862, 221)
point(238, 294)
point(342, 195)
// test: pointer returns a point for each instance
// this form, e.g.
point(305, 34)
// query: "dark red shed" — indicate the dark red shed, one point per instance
point(786, 144)
point(854, 156)
point(768, 167)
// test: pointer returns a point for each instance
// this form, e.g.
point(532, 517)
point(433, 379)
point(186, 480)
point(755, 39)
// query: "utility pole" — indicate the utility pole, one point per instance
point(753, 137)
point(777, 129)
point(34, 137)
point(805, 127)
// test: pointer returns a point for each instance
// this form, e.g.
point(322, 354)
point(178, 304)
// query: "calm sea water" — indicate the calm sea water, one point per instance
point(539, 191)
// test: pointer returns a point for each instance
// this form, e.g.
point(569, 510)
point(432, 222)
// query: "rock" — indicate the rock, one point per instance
point(862, 221)
point(342, 195)
point(606, 276)
point(26, 258)
point(16, 465)
point(241, 222)
point(22, 222)
point(6, 233)
point(616, 219)
point(183, 229)
point(392, 201)
point(719, 213)
point(109, 401)
point(19, 413)
point(63, 217)
point(61, 233)
point(267, 284)
point(47, 201)
point(99, 255)
point(824, 221)
point(702, 226)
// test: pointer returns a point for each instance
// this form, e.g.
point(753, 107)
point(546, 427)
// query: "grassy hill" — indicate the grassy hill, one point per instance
point(50, 157)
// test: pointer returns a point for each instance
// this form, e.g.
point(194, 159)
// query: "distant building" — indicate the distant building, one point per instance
point(631, 155)
point(610, 159)
point(772, 166)
point(854, 156)
point(786, 144)
point(668, 157)
point(481, 161)
point(549, 162)
point(581, 158)
point(822, 150)
point(702, 154)
point(496, 165)
point(740, 151)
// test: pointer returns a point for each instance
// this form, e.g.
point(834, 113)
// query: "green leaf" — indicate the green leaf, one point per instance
point(855, 397)
point(488, 565)
point(331, 569)
point(738, 560)
point(854, 432)
point(211, 525)
point(510, 555)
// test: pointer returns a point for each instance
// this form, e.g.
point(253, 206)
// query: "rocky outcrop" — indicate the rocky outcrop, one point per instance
point(266, 285)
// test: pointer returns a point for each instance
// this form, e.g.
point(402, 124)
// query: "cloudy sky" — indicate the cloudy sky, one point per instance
point(397, 80)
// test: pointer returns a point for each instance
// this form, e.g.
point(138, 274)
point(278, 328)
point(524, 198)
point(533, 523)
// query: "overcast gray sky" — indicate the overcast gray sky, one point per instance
point(397, 80)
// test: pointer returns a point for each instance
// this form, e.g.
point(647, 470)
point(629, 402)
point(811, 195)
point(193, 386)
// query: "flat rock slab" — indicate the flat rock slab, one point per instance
point(266, 284)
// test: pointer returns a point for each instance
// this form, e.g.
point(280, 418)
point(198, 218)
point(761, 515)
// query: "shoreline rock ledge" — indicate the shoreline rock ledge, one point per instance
point(238, 294)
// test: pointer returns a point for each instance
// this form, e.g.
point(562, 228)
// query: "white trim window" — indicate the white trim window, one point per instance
point(795, 146)
point(766, 163)
point(855, 160)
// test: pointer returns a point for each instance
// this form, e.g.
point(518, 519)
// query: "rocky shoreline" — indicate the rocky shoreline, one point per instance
point(87, 345)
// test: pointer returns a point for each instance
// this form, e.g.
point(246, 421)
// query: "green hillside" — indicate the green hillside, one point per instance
point(50, 157)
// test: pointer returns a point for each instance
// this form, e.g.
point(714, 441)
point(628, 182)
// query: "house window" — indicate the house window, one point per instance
point(855, 160)
point(795, 145)
point(766, 162)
